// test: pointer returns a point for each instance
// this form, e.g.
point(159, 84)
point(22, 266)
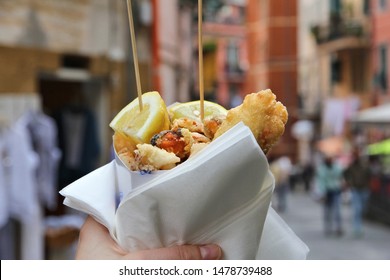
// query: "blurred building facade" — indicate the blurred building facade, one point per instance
point(380, 12)
point(63, 51)
point(343, 61)
point(224, 51)
point(171, 52)
point(335, 72)
point(376, 131)
point(272, 28)
point(334, 64)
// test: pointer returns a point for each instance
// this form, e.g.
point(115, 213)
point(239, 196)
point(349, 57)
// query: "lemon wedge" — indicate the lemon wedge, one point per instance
point(140, 126)
point(191, 110)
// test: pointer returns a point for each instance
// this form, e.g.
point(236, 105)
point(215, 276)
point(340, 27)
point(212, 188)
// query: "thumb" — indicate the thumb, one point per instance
point(180, 252)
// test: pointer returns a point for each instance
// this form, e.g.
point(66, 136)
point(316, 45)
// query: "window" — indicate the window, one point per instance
point(233, 62)
point(335, 68)
point(382, 75)
point(366, 7)
point(359, 60)
point(335, 6)
point(383, 4)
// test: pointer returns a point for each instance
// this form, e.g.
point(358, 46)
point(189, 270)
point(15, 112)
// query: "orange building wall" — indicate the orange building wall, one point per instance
point(272, 47)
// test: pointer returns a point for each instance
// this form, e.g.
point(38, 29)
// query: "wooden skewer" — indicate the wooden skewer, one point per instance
point(200, 47)
point(135, 55)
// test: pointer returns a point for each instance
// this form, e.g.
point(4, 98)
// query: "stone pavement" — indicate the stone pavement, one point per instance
point(304, 216)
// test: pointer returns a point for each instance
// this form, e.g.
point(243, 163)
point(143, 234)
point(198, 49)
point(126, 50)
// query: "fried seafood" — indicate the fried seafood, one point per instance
point(165, 149)
point(151, 158)
point(265, 116)
point(191, 125)
point(171, 141)
point(260, 111)
point(211, 125)
point(177, 141)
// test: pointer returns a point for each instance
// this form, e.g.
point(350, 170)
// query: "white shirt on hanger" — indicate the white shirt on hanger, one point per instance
point(24, 202)
point(43, 134)
point(4, 208)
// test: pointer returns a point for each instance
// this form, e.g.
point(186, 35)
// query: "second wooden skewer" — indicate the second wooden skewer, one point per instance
point(135, 54)
point(200, 47)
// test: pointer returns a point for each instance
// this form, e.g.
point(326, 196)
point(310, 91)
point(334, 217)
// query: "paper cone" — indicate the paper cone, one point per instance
point(221, 195)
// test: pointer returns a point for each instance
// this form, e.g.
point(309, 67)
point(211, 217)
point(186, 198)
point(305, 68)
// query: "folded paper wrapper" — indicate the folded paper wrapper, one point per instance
point(221, 195)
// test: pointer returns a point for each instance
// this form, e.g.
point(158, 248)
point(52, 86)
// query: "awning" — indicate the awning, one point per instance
point(380, 148)
point(375, 115)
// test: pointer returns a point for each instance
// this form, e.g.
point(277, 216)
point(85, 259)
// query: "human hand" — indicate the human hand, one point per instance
point(95, 242)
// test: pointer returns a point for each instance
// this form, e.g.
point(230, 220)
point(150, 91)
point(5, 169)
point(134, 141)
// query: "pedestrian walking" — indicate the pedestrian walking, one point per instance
point(281, 169)
point(357, 177)
point(329, 178)
point(307, 176)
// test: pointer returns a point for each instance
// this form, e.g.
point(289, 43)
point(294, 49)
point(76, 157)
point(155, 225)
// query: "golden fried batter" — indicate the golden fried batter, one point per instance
point(265, 116)
point(152, 158)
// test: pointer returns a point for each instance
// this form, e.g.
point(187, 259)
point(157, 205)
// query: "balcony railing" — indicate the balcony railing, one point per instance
point(339, 28)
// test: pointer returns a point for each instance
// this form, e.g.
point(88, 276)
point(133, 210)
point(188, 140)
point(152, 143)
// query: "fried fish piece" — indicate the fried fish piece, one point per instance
point(265, 116)
point(152, 158)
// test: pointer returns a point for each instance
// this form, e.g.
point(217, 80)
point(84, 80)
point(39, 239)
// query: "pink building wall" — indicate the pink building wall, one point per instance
point(380, 39)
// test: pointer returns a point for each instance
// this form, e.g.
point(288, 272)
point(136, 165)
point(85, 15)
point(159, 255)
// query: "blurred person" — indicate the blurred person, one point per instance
point(307, 176)
point(329, 179)
point(376, 172)
point(295, 176)
point(281, 169)
point(357, 177)
point(96, 243)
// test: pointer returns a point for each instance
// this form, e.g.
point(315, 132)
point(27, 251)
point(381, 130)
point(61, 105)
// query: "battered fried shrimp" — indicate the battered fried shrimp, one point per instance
point(265, 116)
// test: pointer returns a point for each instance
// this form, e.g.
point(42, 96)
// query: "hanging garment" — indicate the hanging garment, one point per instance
point(29, 177)
point(24, 200)
point(8, 243)
point(21, 174)
point(79, 142)
point(4, 209)
point(43, 134)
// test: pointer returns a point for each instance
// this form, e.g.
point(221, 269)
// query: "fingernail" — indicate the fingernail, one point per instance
point(210, 252)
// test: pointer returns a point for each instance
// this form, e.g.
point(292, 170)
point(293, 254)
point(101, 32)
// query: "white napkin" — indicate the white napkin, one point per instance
point(279, 242)
point(221, 195)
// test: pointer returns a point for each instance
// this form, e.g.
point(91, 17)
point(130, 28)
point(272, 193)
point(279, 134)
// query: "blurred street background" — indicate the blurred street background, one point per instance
point(305, 217)
point(66, 69)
